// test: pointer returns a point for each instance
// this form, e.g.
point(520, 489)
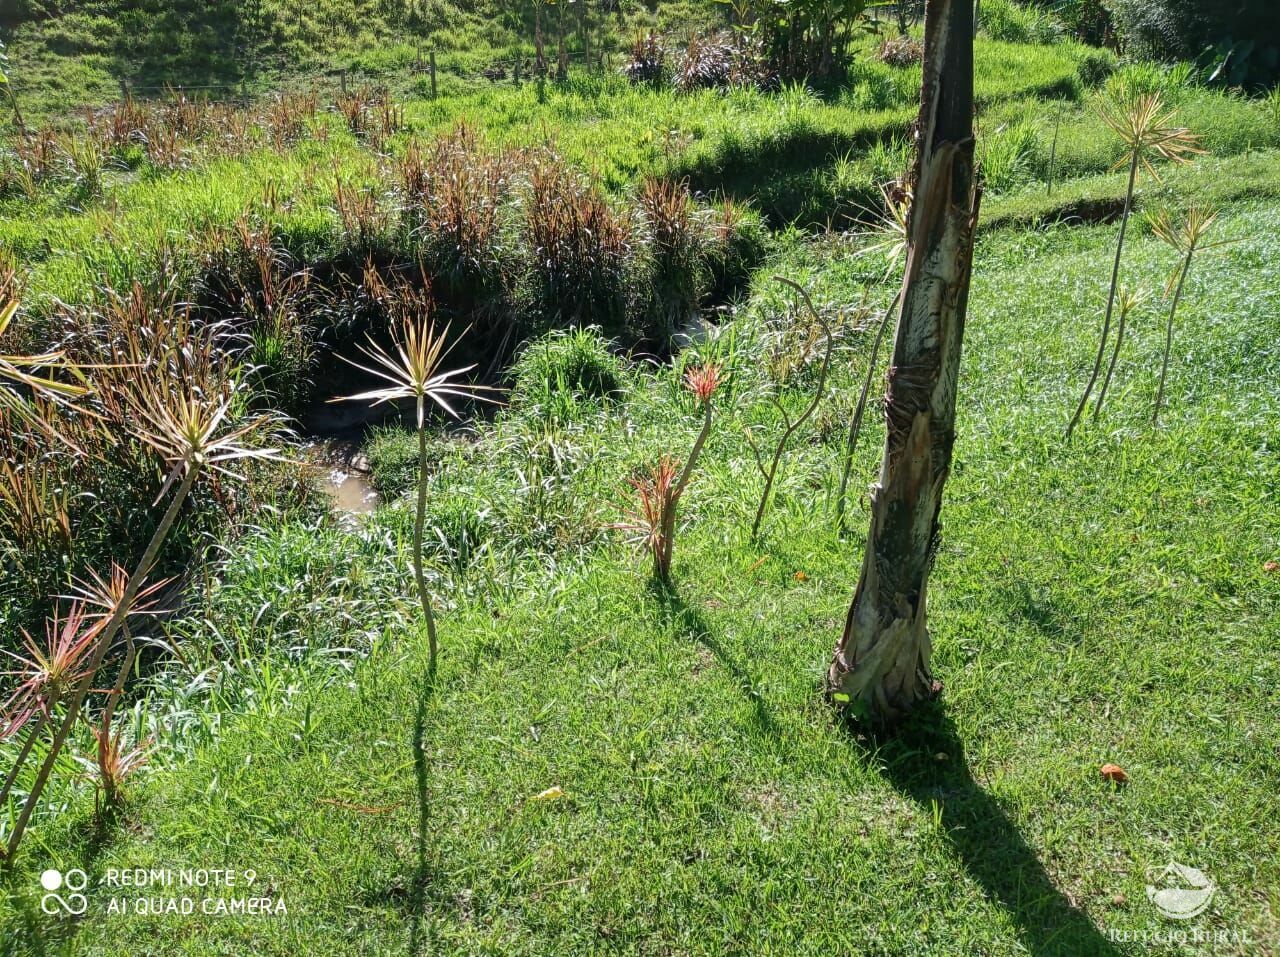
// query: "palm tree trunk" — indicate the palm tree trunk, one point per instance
point(881, 665)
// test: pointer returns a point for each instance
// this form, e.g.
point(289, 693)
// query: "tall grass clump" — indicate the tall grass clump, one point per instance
point(1011, 22)
point(581, 271)
point(564, 368)
point(678, 260)
point(455, 195)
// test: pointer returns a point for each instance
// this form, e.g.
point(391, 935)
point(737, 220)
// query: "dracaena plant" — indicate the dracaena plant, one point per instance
point(179, 391)
point(1185, 236)
point(31, 372)
point(1148, 131)
point(660, 487)
point(412, 368)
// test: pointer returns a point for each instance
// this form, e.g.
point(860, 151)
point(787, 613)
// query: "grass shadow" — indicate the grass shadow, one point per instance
point(989, 844)
point(424, 872)
point(691, 624)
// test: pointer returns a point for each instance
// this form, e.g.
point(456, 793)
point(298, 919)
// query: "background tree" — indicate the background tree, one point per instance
point(881, 665)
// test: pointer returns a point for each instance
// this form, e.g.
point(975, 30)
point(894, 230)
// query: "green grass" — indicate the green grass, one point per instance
point(63, 59)
point(795, 156)
point(1103, 601)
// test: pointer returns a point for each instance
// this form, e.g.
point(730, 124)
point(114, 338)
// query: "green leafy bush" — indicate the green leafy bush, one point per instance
point(1239, 40)
point(575, 364)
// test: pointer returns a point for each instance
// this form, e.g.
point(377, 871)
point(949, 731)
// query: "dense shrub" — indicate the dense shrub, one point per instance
point(647, 63)
point(1239, 40)
point(1095, 66)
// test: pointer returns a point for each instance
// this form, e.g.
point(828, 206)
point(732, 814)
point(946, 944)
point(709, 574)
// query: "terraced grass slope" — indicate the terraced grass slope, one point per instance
point(66, 55)
point(603, 768)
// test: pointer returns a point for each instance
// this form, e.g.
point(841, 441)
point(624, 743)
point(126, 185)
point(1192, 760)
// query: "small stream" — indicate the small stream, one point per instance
point(334, 436)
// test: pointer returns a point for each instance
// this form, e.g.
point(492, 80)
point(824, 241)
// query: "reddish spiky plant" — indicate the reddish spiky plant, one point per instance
point(647, 523)
point(660, 488)
point(50, 670)
point(113, 762)
point(703, 380)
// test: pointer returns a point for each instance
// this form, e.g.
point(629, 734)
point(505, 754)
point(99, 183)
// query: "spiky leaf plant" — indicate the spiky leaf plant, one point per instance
point(1148, 131)
point(1185, 236)
point(660, 488)
point(412, 369)
point(179, 390)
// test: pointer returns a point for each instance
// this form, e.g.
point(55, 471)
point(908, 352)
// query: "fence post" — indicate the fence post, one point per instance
point(517, 70)
point(124, 89)
point(343, 81)
point(432, 63)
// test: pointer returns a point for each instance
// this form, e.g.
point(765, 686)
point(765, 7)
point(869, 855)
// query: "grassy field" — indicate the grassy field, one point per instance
point(1103, 601)
point(601, 764)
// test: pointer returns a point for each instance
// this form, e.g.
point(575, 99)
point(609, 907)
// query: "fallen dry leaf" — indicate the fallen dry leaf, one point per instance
point(550, 794)
point(801, 577)
point(1113, 772)
point(1270, 566)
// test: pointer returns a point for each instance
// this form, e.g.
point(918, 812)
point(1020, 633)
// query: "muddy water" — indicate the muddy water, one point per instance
point(346, 474)
point(351, 492)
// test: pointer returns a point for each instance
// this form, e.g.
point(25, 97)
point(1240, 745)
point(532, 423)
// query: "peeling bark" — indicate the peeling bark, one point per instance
point(881, 665)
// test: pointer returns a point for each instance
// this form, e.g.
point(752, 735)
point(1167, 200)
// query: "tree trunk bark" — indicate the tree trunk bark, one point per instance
point(881, 664)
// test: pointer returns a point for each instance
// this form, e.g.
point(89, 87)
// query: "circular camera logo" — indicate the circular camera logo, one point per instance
point(73, 881)
point(1180, 892)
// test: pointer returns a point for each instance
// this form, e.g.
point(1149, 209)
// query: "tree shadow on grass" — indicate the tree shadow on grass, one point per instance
point(30, 928)
point(986, 841)
point(691, 624)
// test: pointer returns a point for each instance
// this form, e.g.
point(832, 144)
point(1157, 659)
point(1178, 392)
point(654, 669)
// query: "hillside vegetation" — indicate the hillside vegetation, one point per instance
point(605, 762)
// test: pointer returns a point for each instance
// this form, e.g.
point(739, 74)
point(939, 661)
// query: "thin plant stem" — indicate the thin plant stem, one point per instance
point(1111, 366)
point(419, 520)
point(1111, 297)
point(792, 427)
point(118, 615)
point(1168, 335)
point(42, 719)
point(855, 426)
point(669, 519)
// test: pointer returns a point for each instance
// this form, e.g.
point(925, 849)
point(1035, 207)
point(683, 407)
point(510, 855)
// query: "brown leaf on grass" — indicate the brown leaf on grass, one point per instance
point(1271, 566)
point(800, 577)
point(1114, 773)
